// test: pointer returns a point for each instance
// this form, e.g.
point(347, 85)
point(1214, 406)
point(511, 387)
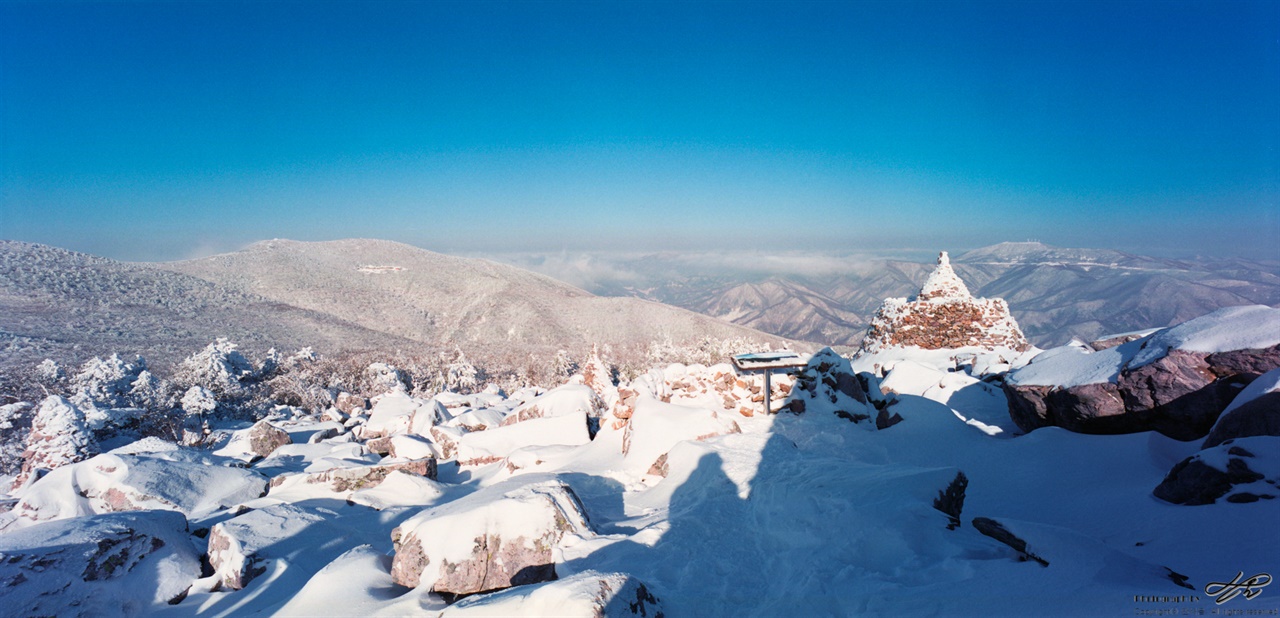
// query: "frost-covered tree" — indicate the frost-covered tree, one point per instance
point(198, 402)
point(563, 365)
point(106, 383)
point(461, 376)
point(58, 437)
point(150, 393)
point(50, 373)
point(382, 377)
point(220, 368)
point(15, 423)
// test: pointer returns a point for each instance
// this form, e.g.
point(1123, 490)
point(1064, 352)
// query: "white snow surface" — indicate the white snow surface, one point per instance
point(1224, 330)
point(795, 515)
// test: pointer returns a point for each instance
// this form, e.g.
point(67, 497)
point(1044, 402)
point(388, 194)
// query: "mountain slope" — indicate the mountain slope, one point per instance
point(65, 305)
point(444, 300)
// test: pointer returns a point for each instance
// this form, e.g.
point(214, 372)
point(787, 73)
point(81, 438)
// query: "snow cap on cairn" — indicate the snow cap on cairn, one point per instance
point(943, 283)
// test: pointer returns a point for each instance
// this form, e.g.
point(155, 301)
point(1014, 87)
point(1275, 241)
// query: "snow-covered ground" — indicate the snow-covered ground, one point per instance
point(670, 493)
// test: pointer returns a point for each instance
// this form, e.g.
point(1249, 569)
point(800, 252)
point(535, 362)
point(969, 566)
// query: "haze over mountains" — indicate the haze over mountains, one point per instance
point(340, 296)
point(1054, 293)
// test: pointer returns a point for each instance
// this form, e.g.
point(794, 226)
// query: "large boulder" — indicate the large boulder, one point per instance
point(112, 483)
point(1243, 470)
point(1176, 381)
point(655, 427)
point(235, 545)
point(351, 479)
point(118, 564)
point(1254, 412)
point(265, 438)
point(496, 538)
point(564, 400)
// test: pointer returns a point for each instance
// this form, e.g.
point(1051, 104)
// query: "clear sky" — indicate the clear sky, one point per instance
point(162, 130)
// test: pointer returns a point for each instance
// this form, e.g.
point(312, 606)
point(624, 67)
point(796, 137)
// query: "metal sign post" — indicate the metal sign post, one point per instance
point(767, 363)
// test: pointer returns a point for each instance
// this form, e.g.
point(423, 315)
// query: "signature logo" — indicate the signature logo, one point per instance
point(1250, 588)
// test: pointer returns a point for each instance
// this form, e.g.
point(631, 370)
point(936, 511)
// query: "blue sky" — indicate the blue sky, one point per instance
point(162, 130)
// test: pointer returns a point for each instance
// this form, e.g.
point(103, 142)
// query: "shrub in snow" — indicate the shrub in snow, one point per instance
point(50, 373)
point(951, 500)
point(461, 376)
point(220, 368)
point(58, 437)
point(106, 383)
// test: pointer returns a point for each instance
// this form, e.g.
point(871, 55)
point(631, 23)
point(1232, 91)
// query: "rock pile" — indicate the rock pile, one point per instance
point(944, 315)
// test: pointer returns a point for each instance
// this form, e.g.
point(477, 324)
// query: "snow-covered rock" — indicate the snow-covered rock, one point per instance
point(1242, 470)
point(565, 400)
point(235, 544)
point(828, 386)
point(343, 481)
point(496, 538)
point(943, 315)
point(1254, 412)
point(399, 488)
point(118, 564)
point(656, 427)
point(1176, 381)
point(111, 483)
point(264, 439)
point(483, 447)
point(589, 594)
point(398, 412)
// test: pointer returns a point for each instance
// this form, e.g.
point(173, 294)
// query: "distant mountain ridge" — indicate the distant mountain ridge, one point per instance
point(338, 297)
point(1054, 293)
point(439, 299)
point(61, 304)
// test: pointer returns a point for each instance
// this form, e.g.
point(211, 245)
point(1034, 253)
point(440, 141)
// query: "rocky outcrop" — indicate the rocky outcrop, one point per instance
point(1257, 417)
point(235, 544)
point(341, 480)
point(944, 315)
point(97, 565)
point(351, 405)
point(485, 541)
point(997, 531)
point(1180, 395)
point(1231, 470)
point(828, 383)
point(265, 438)
point(112, 483)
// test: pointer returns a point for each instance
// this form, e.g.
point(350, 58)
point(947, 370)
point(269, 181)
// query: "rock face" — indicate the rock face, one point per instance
point(944, 315)
point(1258, 416)
point(1180, 395)
point(487, 541)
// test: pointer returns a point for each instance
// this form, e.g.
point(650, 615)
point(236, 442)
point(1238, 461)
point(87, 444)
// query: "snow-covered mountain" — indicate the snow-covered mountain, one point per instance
point(445, 300)
point(1054, 293)
point(61, 304)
